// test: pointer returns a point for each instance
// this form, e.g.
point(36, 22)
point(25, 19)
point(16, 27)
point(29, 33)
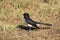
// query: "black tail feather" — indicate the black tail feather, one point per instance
point(46, 24)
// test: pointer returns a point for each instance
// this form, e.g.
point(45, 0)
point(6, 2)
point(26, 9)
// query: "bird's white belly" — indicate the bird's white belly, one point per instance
point(29, 25)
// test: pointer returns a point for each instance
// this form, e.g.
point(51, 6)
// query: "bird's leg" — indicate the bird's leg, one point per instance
point(29, 27)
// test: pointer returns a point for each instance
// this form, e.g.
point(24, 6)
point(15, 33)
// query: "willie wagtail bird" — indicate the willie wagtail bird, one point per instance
point(31, 23)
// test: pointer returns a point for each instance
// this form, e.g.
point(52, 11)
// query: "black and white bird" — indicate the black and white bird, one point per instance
point(31, 23)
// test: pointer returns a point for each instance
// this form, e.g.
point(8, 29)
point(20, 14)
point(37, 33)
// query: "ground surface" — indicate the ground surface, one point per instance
point(11, 15)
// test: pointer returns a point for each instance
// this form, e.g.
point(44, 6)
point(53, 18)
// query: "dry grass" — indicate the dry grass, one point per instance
point(40, 10)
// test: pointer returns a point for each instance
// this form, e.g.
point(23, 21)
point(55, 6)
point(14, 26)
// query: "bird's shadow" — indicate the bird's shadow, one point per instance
point(27, 28)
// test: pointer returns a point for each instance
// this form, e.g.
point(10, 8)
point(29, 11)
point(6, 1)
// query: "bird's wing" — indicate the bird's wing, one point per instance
point(31, 21)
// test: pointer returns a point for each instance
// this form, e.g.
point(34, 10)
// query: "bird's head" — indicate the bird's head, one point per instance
point(26, 15)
